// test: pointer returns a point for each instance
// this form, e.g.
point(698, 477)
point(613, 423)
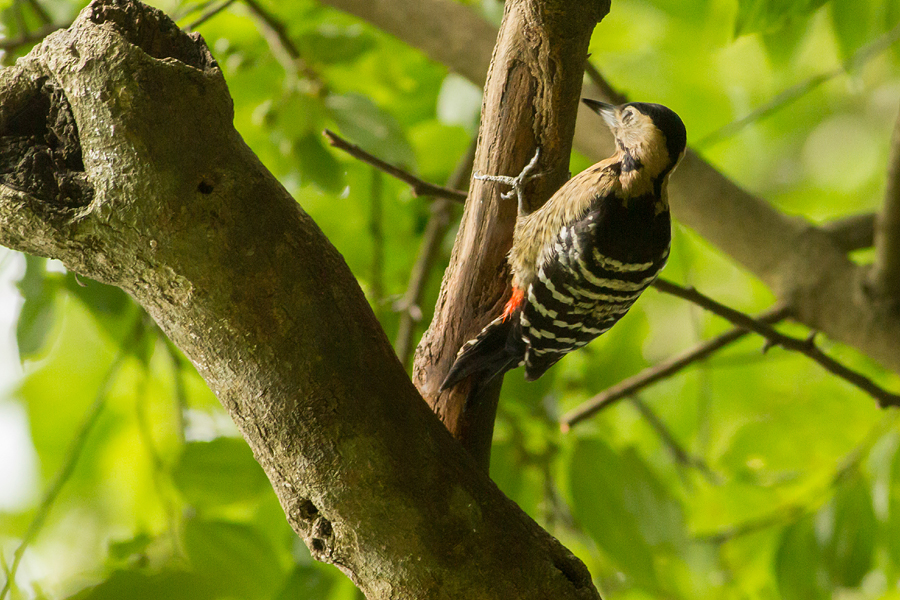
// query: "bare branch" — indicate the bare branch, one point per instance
point(435, 230)
point(806, 347)
point(418, 186)
point(663, 370)
point(885, 274)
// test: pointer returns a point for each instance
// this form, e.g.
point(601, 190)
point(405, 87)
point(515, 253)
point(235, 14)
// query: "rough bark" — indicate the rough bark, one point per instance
point(119, 158)
point(530, 100)
point(801, 263)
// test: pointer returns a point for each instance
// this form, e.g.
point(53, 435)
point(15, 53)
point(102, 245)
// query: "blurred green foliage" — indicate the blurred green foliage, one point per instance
point(759, 475)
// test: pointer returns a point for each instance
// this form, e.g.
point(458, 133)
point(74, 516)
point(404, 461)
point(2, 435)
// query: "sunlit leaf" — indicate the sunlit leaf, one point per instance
point(849, 550)
point(317, 165)
point(852, 25)
point(798, 563)
point(370, 127)
point(137, 585)
point(769, 15)
point(333, 44)
point(37, 314)
point(237, 557)
point(623, 507)
point(309, 582)
point(218, 472)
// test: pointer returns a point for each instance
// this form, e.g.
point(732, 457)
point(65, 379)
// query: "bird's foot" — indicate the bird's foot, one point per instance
point(517, 183)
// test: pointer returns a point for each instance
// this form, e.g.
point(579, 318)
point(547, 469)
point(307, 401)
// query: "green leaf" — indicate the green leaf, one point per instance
point(624, 508)
point(218, 472)
point(317, 165)
point(119, 550)
point(781, 45)
point(333, 44)
point(236, 557)
point(38, 312)
point(459, 102)
point(798, 563)
point(310, 582)
point(771, 15)
point(852, 23)
point(136, 585)
point(849, 551)
point(370, 127)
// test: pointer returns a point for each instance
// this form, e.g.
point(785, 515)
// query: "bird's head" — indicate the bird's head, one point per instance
point(650, 137)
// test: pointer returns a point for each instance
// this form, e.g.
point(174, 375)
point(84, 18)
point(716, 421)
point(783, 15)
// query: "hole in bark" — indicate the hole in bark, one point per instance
point(318, 545)
point(572, 570)
point(205, 188)
point(307, 510)
point(40, 151)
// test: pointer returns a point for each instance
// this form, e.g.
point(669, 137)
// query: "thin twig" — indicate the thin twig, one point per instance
point(806, 347)
point(432, 239)
point(678, 452)
point(418, 186)
point(885, 274)
point(663, 370)
point(283, 48)
point(208, 15)
point(76, 447)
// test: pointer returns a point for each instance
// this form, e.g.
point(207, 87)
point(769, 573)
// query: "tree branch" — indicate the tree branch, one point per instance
point(162, 197)
point(418, 186)
point(663, 370)
point(530, 100)
point(806, 347)
point(885, 275)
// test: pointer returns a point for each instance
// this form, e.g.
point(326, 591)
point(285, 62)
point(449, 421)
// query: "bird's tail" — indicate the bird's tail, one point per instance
point(497, 349)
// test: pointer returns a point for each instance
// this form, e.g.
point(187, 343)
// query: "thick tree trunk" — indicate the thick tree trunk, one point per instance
point(121, 160)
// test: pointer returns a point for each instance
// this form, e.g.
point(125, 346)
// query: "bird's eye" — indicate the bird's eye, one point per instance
point(627, 115)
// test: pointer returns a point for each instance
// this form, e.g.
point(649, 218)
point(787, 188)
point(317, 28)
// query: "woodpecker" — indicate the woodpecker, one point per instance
point(581, 260)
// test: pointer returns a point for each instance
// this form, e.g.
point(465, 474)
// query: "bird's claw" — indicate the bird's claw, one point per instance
point(517, 183)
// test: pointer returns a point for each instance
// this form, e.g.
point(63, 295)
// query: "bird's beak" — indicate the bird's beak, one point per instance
point(607, 111)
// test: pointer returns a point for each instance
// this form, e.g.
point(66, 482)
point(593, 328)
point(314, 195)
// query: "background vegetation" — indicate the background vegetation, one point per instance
point(749, 475)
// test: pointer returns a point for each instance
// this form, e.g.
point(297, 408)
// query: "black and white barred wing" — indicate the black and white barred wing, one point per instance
point(583, 287)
